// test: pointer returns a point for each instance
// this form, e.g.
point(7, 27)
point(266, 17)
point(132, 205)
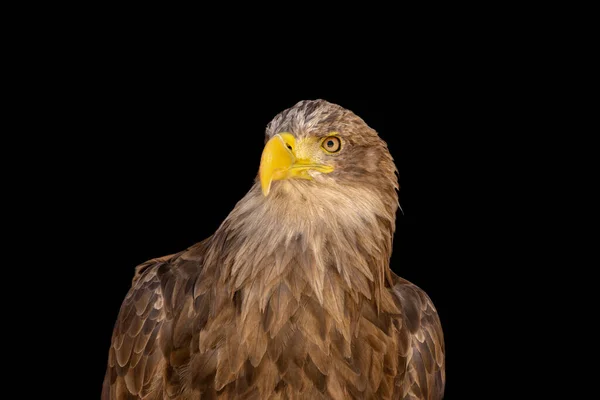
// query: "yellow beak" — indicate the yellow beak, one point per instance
point(279, 161)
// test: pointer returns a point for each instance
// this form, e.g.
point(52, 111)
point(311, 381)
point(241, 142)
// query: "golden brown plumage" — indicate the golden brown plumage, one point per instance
point(292, 297)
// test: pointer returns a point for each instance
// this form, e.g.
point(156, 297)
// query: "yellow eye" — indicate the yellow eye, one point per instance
point(332, 144)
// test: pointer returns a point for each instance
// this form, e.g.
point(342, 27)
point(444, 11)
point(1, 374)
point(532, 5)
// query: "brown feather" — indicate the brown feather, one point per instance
point(334, 387)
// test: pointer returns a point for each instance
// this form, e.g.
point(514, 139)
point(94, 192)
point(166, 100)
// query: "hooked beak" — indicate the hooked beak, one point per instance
point(279, 161)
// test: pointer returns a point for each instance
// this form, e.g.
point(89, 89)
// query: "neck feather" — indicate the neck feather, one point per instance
point(319, 241)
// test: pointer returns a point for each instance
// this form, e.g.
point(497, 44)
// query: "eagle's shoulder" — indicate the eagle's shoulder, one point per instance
point(143, 334)
point(149, 266)
point(421, 333)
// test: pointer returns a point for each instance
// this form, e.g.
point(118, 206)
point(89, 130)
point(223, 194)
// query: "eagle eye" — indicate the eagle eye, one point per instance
point(331, 144)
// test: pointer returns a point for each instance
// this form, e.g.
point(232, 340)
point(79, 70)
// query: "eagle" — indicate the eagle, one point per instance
point(292, 297)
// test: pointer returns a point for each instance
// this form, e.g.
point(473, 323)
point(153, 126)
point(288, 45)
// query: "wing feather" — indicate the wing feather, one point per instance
point(420, 342)
point(135, 335)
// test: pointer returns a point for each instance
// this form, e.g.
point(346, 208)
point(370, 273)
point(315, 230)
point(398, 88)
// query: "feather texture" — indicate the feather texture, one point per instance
point(291, 298)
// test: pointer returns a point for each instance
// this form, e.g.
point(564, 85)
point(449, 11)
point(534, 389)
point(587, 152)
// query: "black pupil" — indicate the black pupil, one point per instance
point(289, 147)
point(330, 143)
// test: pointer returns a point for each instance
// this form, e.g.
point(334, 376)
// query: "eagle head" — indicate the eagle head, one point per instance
point(322, 150)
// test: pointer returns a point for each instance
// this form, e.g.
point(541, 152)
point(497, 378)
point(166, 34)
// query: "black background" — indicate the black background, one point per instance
point(138, 130)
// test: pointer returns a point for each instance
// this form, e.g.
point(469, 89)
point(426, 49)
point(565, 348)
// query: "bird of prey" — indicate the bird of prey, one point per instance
point(292, 297)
